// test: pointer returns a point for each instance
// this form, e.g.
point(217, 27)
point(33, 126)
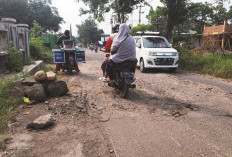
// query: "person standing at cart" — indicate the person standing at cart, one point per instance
point(59, 44)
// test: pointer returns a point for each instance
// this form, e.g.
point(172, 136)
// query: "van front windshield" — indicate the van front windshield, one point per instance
point(155, 42)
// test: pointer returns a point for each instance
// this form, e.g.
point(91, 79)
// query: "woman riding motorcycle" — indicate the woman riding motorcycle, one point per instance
point(122, 50)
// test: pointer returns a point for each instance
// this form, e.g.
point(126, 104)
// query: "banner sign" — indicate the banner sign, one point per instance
point(58, 56)
point(80, 56)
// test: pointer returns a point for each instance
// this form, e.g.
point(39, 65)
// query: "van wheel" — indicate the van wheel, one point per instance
point(142, 68)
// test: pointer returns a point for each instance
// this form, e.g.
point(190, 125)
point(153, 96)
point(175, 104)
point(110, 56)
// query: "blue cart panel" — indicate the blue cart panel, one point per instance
point(80, 56)
point(58, 56)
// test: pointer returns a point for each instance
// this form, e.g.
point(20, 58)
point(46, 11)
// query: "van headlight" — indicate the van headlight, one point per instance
point(150, 53)
point(175, 53)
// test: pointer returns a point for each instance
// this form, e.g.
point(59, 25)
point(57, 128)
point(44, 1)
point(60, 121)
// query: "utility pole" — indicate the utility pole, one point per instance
point(140, 12)
point(70, 30)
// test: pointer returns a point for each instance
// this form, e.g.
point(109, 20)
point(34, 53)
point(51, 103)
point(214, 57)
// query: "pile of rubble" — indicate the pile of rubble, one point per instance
point(42, 86)
point(38, 89)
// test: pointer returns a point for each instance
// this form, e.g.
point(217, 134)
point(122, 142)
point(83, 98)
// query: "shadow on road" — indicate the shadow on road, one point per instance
point(172, 107)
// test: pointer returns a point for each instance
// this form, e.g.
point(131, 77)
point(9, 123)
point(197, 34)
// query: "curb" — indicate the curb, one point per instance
point(31, 69)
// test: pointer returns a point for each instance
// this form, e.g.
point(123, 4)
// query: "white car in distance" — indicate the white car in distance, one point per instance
point(155, 52)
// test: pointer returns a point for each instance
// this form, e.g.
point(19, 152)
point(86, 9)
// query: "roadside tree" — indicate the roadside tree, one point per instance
point(141, 28)
point(120, 7)
point(176, 11)
point(89, 32)
point(158, 19)
point(25, 11)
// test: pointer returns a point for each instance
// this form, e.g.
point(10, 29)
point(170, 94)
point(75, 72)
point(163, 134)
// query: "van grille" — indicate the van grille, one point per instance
point(164, 61)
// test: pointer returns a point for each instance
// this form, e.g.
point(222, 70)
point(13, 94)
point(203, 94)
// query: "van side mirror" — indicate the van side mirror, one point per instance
point(170, 44)
point(138, 45)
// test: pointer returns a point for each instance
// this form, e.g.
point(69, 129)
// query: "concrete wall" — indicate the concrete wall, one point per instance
point(18, 34)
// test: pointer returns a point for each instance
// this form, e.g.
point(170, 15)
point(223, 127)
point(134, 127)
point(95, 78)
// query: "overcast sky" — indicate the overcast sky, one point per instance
point(69, 10)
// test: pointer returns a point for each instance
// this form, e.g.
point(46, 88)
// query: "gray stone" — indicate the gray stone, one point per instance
point(36, 92)
point(28, 81)
point(40, 75)
point(41, 122)
point(56, 88)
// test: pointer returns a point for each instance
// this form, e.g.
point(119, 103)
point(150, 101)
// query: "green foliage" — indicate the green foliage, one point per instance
point(36, 47)
point(89, 32)
point(142, 28)
point(38, 51)
point(47, 67)
point(158, 19)
point(47, 56)
point(181, 16)
point(213, 64)
point(48, 17)
point(25, 11)
point(120, 7)
point(36, 31)
point(8, 102)
point(219, 15)
point(176, 11)
point(15, 59)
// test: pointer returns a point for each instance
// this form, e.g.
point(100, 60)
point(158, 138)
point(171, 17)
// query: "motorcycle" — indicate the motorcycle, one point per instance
point(95, 48)
point(70, 62)
point(124, 77)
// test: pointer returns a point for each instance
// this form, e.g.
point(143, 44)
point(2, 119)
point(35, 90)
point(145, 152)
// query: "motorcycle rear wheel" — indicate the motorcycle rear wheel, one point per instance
point(124, 90)
point(69, 69)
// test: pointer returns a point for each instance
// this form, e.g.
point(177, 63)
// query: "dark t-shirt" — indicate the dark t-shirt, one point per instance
point(60, 40)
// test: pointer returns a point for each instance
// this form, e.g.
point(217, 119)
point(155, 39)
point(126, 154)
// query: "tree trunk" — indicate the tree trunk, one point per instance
point(117, 11)
point(119, 17)
point(171, 19)
point(178, 28)
point(170, 27)
point(123, 17)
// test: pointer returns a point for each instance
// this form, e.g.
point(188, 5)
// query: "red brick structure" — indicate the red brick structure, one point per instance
point(218, 36)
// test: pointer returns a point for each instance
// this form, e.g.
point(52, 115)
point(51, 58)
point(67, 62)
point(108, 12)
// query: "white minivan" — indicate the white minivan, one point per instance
point(155, 52)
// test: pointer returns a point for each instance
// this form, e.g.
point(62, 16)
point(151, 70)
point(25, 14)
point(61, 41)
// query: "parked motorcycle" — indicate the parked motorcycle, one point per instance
point(124, 77)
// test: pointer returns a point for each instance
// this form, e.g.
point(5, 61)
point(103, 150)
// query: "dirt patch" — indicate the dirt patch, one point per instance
point(75, 132)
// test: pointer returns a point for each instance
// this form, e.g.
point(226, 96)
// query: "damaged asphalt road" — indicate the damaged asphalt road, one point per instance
point(167, 114)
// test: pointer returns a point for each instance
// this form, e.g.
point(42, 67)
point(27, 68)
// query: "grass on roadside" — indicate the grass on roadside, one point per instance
point(39, 51)
point(218, 65)
point(8, 104)
point(47, 56)
point(48, 67)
